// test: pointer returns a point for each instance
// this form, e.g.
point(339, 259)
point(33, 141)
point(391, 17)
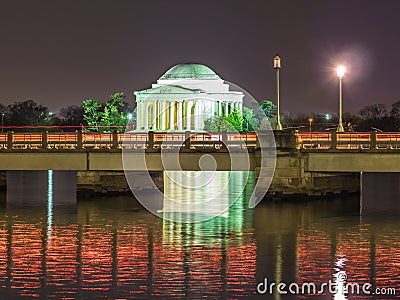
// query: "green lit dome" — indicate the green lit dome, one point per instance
point(190, 71)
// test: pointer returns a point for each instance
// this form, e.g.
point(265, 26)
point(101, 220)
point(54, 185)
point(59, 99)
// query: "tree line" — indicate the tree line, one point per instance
point(114, 113)
point(375, 117)
point(92, 114)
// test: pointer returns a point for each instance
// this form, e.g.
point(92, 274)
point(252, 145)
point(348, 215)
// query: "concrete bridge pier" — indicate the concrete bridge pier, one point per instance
point(293, 178)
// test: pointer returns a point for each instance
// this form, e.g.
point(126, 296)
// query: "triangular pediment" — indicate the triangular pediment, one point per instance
point(169, 89)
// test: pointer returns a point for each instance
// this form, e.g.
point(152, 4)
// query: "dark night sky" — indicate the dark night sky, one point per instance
point(61, 52)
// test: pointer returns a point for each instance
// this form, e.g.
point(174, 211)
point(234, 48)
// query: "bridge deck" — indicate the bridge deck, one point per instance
point(321, 152)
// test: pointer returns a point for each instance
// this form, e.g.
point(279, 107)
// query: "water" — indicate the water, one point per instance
point(112, 248)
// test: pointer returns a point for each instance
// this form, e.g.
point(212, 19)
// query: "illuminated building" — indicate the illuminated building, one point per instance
point(183, 98)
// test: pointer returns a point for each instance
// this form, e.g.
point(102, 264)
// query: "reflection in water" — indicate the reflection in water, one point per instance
point(108, 249)
point(197, 196)
point(112, 248)
point(314, 241)
point(49, 202)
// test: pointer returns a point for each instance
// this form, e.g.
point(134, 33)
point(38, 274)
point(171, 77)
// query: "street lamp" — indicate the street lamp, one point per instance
point(2, 122)
point(277, 66)
point(340, 73)
point(310, 120)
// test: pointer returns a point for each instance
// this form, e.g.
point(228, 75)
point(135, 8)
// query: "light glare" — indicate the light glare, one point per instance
point(340, 71)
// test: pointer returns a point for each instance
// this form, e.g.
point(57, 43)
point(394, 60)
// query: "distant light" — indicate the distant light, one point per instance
point(310, 120)
point(340, 71)
point(277, 62)
point(328, 116)
point(50, 113)
point(129, 116)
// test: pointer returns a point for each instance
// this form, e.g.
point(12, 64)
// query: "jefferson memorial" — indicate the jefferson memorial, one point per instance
point(183, 98)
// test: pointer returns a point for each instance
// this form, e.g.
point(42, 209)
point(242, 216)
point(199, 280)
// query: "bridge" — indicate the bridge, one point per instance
point(320, 152)
point(350, 152)
point(103, 151)
point(307, 164)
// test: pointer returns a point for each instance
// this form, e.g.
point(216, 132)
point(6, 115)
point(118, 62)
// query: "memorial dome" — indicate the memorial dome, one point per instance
point(189, 71)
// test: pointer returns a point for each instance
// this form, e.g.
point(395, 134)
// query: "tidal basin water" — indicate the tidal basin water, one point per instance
point(112, 248)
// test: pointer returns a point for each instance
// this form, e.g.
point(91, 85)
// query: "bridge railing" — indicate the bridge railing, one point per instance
point(348, 140)
point(191, 140)
point(150, 140)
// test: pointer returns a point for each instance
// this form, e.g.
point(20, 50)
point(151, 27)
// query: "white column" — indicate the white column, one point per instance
point(240, 107)
point(226, 109)
point(196, 114)
point(138, 114)
point(146, 115)
point(141, 114)
point(180, 113)
point(200, 114)
point(212, 108)
point(203, 115)
point(154, 116)
point(171, 115)
point(162, 115)
point(220, 108)
point(188, 114)
point(159, 115)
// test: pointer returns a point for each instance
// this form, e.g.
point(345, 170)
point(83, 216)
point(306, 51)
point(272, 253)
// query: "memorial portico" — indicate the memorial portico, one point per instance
point(183, 98)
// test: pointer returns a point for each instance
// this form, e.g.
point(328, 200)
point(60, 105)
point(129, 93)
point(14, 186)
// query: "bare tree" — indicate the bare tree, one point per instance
point(395, 111)
point(374, 112)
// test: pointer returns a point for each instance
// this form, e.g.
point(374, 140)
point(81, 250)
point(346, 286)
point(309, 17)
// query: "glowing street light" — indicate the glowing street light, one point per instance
point(340, 73)
point(277, 66)
point(310, 120)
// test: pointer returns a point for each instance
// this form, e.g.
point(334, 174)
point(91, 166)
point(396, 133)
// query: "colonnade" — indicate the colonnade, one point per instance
point(180, 114)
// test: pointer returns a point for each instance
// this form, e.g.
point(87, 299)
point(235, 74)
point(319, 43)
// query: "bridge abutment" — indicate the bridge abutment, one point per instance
point(292, 179)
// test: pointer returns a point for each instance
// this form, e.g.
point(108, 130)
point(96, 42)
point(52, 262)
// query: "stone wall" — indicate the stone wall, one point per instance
point(102, 182)
point(290, 178)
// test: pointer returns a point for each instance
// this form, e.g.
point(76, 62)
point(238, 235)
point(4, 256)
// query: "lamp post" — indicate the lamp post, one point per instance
point(310, 120)
point(340, 73)
point(2, 122)
point(277, 66)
